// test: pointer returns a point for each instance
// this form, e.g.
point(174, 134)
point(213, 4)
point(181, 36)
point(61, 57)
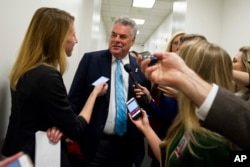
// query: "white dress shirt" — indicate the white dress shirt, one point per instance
point(110, 122)
point(203, 110)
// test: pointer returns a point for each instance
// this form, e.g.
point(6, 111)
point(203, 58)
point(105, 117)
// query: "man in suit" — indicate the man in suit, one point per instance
point(217, 108)
point(102, 146)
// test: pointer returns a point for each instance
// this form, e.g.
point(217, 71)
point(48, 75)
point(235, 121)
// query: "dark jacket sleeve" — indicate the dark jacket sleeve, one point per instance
point(230, 116)
point(53, 94)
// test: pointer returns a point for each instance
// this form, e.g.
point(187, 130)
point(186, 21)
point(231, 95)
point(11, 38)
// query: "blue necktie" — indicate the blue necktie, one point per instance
point(121, 114)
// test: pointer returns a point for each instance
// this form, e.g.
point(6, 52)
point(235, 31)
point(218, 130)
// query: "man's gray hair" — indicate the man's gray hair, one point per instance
point(127, 21)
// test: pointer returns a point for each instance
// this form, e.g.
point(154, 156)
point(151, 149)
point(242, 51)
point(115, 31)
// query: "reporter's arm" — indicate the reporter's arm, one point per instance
point(241, 78)
point(7, 161)
point(153, 140)
point(172, 71)
point(229, 115)
point(194, 87)
point(99, 90)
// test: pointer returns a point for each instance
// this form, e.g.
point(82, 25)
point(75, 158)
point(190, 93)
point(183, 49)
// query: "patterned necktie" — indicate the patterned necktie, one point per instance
point(121, 114)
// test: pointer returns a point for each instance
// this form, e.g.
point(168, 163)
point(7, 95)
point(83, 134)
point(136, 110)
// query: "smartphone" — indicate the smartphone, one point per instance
point(22, 161)
point(147, 54)
point(133, 108)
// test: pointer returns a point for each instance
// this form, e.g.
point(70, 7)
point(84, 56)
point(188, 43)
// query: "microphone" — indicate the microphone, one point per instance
point(128, 69)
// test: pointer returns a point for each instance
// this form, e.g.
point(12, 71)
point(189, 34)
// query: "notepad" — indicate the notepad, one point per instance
point(47, 153)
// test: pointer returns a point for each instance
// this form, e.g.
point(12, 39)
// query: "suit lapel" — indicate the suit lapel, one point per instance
point(105, 66)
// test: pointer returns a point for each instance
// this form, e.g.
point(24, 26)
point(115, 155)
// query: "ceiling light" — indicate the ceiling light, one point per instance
point(143, 3)
point(139, 21)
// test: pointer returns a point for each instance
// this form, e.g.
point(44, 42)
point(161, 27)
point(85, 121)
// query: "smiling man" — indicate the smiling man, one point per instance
point(103, 144)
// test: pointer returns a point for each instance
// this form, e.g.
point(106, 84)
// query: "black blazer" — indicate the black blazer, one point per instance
point(40, 102)
point(230, 117)
point(91, 67)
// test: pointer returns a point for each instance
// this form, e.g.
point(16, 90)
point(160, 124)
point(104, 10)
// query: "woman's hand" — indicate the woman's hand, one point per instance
point(101, 89)
point(168, 91)
point(169, 69)
point(54, 134)
point(142, 122)
point(7, 161)
point(139, 92)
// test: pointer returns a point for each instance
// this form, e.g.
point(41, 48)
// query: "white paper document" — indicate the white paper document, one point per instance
point(102, 79)
point(47, 153)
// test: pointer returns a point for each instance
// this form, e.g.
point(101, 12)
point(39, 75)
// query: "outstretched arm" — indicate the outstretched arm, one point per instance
point(54, 134)
point(241, 78)
point(7, 161)
point(99, 90)
point(143, 125)
point(172, 71)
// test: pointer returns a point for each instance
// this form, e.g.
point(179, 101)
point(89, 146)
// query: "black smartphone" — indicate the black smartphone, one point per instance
point(133, 108)
point(147, 54)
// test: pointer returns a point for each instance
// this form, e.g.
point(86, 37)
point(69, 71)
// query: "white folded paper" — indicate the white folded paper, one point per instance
point(102, 79)
point(47, 153)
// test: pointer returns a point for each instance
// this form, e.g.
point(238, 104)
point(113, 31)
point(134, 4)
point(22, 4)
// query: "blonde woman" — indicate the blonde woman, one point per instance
point(241, 63)
point(39, 96)
point(162, 100)
point(174, 43)
point(187, 143)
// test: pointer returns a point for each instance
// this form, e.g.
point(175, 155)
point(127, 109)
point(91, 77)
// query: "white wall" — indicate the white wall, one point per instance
point(174, 22)
point(158, 41)
point(15, 16)
point(205, 17)
point(236, 25)
point(224, 22)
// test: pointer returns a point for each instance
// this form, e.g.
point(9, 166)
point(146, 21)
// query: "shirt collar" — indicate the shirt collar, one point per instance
point(124, 60)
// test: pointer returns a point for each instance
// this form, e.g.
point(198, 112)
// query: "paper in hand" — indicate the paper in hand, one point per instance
point(102, 79)
point(47, 153)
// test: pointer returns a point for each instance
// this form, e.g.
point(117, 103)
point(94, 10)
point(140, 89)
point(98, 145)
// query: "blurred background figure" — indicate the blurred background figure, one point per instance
point(174, 43)
point(241, 63)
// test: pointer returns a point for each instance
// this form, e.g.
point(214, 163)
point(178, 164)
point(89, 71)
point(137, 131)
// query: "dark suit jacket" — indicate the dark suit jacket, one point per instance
point(92, 66)
point(40, 102)
point(230, 117)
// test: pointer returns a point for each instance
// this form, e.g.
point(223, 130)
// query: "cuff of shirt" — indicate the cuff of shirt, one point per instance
point(203, 110)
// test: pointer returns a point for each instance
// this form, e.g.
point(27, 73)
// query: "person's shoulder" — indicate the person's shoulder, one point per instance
point(96, 53)
point(43, 69)
point(43, 72)
point(42, 76)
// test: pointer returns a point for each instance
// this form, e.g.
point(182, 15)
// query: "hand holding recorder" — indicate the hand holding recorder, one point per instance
point(146, 55)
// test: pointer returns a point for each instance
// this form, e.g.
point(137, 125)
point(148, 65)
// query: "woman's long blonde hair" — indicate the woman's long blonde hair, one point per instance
point(245, 92)
point(213, 64)
point(169, 44)
point(43, 43)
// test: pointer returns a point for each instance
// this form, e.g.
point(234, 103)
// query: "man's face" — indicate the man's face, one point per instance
point(120, 40)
